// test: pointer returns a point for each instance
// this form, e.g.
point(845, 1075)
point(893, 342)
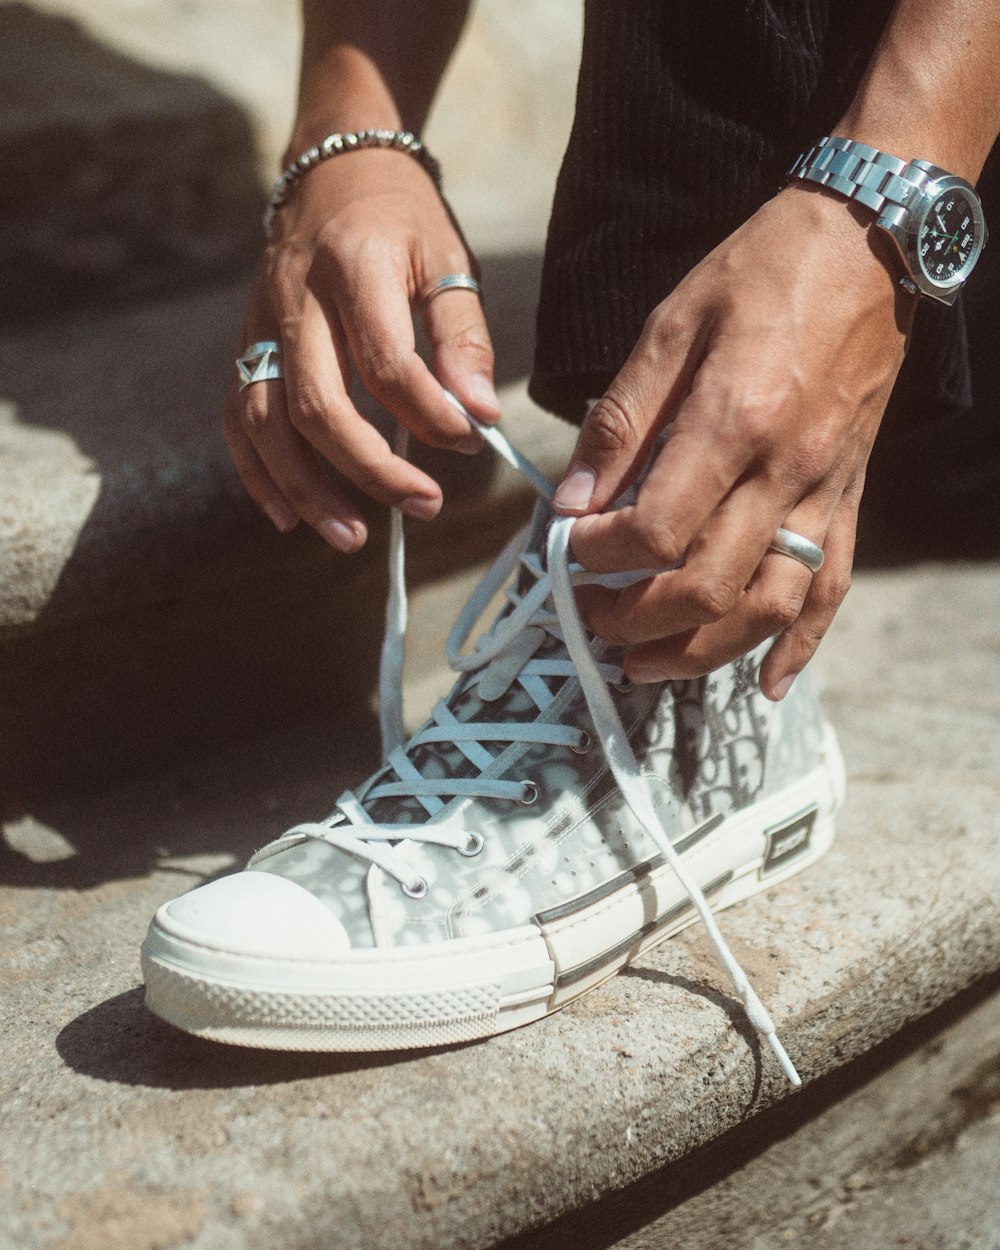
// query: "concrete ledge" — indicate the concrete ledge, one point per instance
point(896, 1148)
point(120, 1132)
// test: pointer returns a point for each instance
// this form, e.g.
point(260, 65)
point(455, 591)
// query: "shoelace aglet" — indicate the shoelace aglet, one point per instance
point(757, 1013)
point(782, 1057)
point(490, 434)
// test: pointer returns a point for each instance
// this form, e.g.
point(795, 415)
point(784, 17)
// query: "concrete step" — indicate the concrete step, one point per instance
point(145, 606)
point(116, 1130)
point(897, 1148)
point(142, 135)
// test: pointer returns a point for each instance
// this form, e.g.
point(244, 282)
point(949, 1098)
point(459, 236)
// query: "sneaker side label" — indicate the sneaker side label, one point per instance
point(787, 840)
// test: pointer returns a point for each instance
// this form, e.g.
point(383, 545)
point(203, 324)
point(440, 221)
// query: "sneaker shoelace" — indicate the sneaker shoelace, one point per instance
point(540, 606)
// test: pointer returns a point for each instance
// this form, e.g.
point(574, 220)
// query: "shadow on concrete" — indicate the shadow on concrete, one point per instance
point(727, 1004)
point(162, 612)
point(119, 1041)
point(130, 180)
point(173, 613)
point(197, 818)
point(180, 615)
point(601, 1225)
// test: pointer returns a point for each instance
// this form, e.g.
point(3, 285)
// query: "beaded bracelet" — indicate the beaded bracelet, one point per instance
point(336, 145)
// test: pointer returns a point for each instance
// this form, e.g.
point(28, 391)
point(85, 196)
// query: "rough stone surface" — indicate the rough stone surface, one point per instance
point(897, 1149)
point(105, 1110)
point(122, 180)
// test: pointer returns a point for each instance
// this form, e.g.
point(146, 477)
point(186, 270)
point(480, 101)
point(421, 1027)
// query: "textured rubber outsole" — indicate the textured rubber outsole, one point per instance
point(283, 1020)
point(471, 988)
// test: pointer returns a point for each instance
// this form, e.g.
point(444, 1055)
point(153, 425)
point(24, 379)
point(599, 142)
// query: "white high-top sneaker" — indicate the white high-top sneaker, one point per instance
point(545, 827)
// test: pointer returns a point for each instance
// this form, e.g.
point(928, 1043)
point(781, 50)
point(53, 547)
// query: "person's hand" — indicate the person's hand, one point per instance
point(354, 246)
point(771, 364)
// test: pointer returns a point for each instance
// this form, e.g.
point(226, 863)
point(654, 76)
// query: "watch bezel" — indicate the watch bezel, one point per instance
point(917, 214)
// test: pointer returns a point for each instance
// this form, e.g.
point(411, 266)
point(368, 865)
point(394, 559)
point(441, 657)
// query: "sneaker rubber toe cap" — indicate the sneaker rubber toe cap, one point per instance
point(254, 914)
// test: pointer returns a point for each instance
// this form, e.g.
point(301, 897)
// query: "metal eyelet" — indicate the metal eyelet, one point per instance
point(624, 686)
point(417, 890)
point(529, 793)
point(583, 745)
point(475, 845)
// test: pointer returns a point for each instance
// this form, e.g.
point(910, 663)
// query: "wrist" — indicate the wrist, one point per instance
point(909, 107)
point(338, 144)
point(342, 93)
point(847, 228)
point(888, 133)
point(933, 217)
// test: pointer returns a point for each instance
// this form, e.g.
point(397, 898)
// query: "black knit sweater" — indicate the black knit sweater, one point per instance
point(688, 114)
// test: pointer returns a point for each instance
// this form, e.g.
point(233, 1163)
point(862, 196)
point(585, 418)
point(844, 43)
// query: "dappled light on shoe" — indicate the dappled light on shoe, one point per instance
point(548, 824)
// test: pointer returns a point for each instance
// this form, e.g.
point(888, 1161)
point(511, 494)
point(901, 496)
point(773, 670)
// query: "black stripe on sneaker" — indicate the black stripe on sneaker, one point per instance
point(673, 913)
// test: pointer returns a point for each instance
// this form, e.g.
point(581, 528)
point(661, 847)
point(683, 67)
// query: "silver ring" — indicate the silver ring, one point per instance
point(451, 282)
point(788, 543)
point(261, 362)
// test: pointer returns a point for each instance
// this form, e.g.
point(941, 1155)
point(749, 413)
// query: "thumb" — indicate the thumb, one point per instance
point(617, 437)
point(605, 458)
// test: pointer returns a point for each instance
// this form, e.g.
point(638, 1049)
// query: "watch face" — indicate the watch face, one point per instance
point(950, 238)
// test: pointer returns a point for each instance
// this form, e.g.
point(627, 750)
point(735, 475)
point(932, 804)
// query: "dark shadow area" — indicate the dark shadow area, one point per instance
point(129, 180)
point(728, 1005)
point(121, 1042)
point(225, 803)
point(600, 1225)
point(162, 612)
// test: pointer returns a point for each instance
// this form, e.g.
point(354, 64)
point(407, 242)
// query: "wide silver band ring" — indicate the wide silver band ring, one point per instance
point(450, 282)
point(261, 362)
point(788, 543)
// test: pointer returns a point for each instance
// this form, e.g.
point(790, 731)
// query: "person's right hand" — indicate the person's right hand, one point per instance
point(358, 240)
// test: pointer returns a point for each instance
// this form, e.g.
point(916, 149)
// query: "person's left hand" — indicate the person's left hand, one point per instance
point(771, 364)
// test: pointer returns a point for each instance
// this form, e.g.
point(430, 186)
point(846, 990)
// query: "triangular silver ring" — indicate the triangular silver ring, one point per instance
point(261, 362)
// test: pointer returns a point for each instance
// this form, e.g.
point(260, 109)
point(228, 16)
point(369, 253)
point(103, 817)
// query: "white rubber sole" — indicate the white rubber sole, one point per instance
point(469, 988)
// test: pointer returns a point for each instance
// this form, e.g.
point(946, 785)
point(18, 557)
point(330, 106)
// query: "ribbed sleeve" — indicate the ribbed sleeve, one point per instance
point(688, 114)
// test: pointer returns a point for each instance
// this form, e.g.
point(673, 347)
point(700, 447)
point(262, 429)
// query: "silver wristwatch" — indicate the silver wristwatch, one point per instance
point(934, 218)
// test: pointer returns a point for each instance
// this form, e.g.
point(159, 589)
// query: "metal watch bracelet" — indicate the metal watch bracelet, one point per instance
point(884, 183)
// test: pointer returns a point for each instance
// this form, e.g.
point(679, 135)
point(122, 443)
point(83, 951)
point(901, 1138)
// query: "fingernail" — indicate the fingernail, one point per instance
point(576, 489)
point(781, 688)
point(471, 445)
point(421, 507)
point(282, 515)
point(339, 535)
point(481, 391)
point(645, 676)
